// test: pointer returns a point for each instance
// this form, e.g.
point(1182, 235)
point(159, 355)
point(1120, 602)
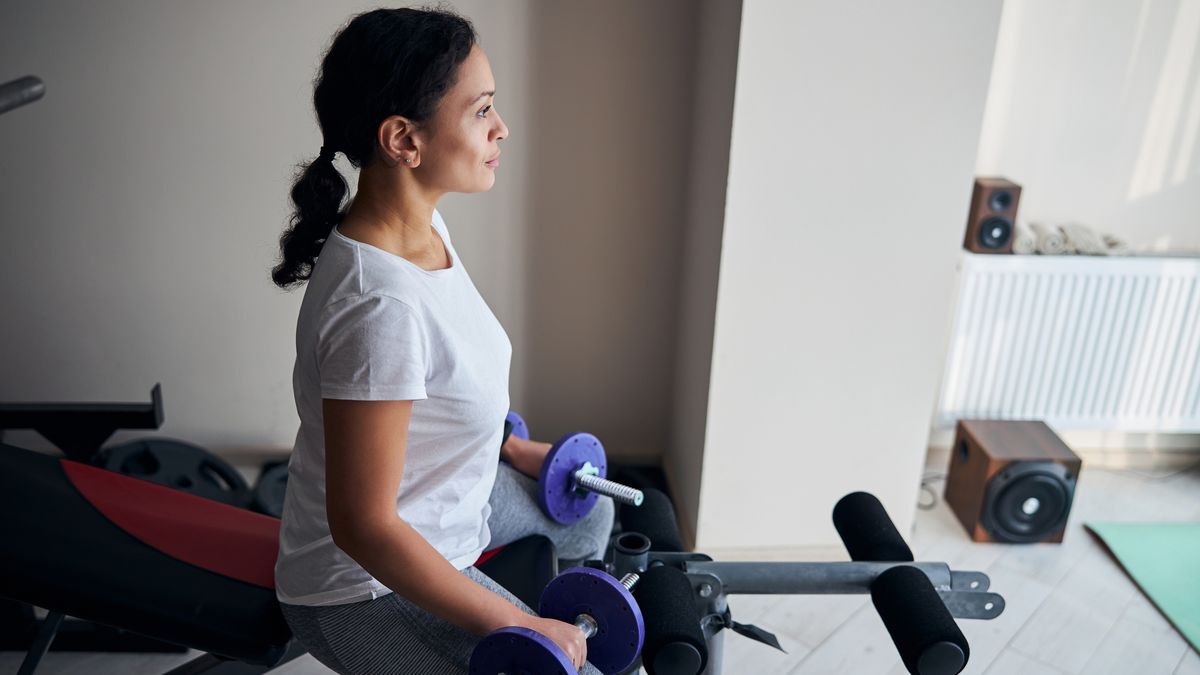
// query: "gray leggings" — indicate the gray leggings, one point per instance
point(392, 635)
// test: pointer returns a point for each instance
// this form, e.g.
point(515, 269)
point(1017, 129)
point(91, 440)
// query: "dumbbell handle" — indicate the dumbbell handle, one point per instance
point(587, 624)
point(622, 493)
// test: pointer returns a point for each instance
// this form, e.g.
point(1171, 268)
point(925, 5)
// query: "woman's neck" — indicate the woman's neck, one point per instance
point(392, 212)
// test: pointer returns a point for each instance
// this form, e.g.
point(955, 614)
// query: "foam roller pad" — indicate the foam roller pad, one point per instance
point(674, 643)
point(925, 634)
point(867, 531)
point(655, 518)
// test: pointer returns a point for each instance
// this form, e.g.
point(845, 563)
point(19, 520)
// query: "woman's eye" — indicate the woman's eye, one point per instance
point(484, 112)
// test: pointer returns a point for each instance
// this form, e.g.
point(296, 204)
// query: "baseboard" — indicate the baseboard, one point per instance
point(1152, 460)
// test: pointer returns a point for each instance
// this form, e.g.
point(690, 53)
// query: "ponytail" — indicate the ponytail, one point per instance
point(384, 62)
point(317, 196)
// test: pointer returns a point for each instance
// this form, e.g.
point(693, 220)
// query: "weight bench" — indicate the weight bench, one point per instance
point(90, 543)
point(86, 542)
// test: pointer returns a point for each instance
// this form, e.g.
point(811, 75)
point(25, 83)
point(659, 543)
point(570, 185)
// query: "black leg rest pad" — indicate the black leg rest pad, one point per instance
point(524, 567)
point(59, 550)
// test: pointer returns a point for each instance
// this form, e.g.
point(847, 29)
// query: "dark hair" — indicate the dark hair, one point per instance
point(384, 62)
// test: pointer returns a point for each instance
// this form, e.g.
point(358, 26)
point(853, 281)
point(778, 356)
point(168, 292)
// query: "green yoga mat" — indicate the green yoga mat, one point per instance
point(1164, 560)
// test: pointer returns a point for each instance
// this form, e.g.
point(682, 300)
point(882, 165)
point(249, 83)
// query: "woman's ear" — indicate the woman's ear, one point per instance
point(399, 143)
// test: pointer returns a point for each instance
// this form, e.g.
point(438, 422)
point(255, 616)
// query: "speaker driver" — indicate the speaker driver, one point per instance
point(995, 233)
point(1027, 501)
point(1001, 200)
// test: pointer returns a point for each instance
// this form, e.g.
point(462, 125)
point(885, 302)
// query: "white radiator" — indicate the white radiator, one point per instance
point(1088, 343)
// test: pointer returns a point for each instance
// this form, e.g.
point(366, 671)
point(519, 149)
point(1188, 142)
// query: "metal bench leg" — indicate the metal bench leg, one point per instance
point(41, 643)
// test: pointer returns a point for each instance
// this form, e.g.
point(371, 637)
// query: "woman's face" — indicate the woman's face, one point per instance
point(461, 151)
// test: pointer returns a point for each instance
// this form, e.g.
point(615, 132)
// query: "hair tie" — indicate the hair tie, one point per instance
point(327, 153)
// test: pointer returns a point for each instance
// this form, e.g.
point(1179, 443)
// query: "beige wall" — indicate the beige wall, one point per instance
point(611, 112)
point(144, 195)
point(1094, 108)
point(716, 57)
point(855, 129)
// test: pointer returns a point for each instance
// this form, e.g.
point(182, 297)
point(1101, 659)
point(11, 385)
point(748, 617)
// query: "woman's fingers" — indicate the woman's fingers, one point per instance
point(567, 636)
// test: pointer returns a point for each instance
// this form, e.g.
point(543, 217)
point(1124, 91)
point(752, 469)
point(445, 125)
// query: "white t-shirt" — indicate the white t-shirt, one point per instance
point(374, 326)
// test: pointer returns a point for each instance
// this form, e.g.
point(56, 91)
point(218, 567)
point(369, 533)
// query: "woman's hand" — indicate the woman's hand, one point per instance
point(568, 638)
point(526, 456)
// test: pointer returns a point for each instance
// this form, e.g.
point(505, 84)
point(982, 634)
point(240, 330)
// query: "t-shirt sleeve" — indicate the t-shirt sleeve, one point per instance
point(371, 348)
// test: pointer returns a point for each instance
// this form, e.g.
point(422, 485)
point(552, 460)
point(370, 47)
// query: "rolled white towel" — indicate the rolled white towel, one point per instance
point(1024, 240)
point(1083, 239)
point(1049, 240)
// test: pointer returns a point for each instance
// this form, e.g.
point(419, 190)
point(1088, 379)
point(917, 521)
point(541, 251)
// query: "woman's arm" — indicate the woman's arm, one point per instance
point(365, 443)
point(525, 456)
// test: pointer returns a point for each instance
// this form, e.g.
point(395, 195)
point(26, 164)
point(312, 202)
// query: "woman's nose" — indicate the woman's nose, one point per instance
point(501, 128)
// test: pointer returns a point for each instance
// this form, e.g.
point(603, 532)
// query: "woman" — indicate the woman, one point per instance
point(401, 375)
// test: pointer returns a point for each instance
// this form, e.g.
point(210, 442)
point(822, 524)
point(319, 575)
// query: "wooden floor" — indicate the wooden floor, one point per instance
point(1069, 608)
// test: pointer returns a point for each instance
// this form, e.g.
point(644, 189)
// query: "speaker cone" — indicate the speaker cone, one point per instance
point(994, 233)
point(1027, 501)
point(1000, 200)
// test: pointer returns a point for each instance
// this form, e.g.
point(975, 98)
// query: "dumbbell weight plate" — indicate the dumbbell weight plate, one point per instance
point(622, 630)
point(178, 465)
point(520, 429)
point(515, 651)
point(557, 497)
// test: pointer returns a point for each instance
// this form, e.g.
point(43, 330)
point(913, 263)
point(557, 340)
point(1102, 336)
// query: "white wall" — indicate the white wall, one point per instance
point(855, 129)
point(1094, 108)
point(144, 195)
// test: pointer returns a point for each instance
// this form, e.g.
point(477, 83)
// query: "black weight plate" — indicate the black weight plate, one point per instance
point(178, 465)
point(270, 489)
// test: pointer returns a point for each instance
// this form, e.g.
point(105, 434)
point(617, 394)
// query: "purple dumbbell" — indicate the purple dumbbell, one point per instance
point(573, 476)
point(519, 651)
point(595, 602)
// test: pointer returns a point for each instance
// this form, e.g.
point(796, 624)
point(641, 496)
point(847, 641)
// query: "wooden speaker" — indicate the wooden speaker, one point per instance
point(993, 216)
point(1011, 481)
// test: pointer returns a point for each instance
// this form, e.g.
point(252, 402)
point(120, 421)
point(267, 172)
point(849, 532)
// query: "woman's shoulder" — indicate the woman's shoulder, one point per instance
point(344, 277)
